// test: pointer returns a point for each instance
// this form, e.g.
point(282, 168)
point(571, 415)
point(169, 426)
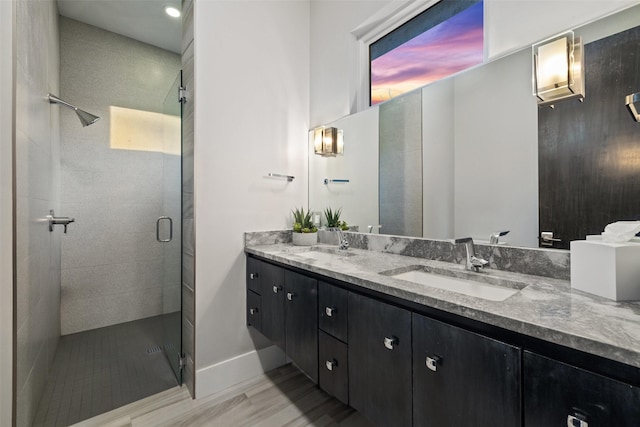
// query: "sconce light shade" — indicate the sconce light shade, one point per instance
point(633, 104)
point(558, 71)
point(328, 142)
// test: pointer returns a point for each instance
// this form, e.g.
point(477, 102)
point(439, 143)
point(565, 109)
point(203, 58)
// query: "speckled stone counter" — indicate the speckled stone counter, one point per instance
point(545, 308)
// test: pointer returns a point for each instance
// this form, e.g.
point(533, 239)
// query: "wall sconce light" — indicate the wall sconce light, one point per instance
point(558, 70)
point(633, 104)
point(328, 141)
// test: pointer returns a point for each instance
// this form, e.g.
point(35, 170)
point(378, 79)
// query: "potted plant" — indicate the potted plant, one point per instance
point(333, 219)
point(305, 232)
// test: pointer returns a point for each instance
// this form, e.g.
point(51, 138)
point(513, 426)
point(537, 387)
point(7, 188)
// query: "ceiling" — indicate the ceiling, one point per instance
point(143, 20)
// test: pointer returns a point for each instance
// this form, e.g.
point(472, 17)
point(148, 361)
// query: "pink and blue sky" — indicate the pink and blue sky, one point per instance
point(449, 47)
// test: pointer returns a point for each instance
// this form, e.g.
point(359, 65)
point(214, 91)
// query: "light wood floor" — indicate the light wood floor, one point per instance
point(282, 397)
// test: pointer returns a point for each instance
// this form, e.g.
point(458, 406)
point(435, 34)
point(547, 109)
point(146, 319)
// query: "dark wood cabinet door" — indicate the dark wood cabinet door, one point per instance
point(557, 394)
point(253, 274)
point(254, 310)
point(380, 361)
point(333, 369)
point(301, 302)
point(272, 293)
point(463, 379)
point(332, 310)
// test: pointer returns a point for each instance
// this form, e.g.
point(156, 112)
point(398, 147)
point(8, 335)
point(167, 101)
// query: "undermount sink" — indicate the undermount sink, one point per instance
point(466, 283)
point(324, 253)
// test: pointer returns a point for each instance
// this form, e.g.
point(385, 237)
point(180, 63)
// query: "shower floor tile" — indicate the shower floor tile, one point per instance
point(102, 369)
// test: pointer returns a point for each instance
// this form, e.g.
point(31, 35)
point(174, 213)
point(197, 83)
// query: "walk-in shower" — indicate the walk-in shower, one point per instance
point(85, 118)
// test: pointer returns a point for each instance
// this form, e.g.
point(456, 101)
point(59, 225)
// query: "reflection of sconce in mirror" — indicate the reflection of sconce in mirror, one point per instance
point(633, 103)
point(328, 142)
point(558, 71)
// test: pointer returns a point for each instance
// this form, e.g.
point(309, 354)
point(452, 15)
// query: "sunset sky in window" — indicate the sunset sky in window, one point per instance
point(449, 47)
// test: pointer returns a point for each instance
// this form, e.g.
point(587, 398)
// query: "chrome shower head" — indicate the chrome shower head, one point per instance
point(85, 118)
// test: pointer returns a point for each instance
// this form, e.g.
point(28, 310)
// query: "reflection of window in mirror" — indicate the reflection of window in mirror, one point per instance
point(441, 41)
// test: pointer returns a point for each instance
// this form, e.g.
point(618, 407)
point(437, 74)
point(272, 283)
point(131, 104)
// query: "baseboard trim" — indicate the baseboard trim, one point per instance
point(221, 375)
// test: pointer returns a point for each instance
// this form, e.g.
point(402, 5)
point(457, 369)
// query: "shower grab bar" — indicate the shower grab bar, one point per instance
point(170, 229)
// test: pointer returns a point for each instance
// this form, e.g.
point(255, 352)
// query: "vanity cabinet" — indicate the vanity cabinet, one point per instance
point(379, 337)
point(332, 344)
point(559, 394)
point(301, 322)
point(284, 311)
point(463, 379)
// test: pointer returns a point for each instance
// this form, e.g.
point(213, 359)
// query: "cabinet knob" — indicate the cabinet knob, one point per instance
point(253, 311)
point(330, 364)
point(276, 289)
point(574, 421)
point(329, 311)
point(291, 296)
point(253, 276)
point(432, 362)
point(390, 342)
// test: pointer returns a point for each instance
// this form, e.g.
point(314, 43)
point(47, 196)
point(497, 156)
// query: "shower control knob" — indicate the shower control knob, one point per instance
point(58, 220)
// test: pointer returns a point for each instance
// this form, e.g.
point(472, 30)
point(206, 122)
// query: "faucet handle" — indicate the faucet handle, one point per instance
point(464, 240)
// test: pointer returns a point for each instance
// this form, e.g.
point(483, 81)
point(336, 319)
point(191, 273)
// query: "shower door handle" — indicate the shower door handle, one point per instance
point(168, 218)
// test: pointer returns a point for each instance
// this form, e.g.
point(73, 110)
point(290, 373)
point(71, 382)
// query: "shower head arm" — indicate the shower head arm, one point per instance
point(85, 118)
point(55, 100)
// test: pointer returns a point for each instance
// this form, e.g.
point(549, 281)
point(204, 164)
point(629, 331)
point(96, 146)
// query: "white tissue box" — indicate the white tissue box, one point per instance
point(610, 270)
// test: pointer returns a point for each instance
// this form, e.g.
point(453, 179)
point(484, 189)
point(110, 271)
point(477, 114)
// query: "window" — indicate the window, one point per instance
point(446, 38)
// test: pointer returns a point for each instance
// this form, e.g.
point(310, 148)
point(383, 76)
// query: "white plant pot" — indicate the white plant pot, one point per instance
point(305, 239)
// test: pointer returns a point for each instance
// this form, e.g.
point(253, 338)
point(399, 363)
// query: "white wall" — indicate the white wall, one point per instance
point(6, 210)
point(359, 197)
point(513, 24)
point(335, 68)
point(496, 167)
point(251, 118)
point(438, 166)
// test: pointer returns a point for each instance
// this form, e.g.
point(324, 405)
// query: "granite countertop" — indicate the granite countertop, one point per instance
point(544, 308)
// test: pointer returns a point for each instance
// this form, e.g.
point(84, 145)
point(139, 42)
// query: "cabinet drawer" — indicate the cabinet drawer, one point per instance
point(334, 374)
point(332, 304)
point(253, 274)
point(254, 310)
point(560, 394)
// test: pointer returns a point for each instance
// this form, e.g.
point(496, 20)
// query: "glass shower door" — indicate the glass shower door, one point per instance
point(169, 228)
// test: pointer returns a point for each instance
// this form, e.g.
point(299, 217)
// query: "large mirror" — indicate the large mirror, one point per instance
point(462, 153)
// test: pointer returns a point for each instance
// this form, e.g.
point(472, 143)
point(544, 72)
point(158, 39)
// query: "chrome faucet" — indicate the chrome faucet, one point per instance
point(343, 244)
point(473, 262)
point(495, 237)
point(371, 227)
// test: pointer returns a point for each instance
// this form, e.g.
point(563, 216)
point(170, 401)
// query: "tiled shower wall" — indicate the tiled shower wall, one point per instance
point(112, 183)
point(37, 190)
point(188, 232)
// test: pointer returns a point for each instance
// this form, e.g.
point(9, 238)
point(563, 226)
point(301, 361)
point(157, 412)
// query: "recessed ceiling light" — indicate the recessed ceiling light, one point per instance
point(172, 11)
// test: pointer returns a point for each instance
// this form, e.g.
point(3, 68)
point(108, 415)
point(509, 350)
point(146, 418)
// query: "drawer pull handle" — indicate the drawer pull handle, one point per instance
point(573, 421)
point(276, 289)
point(432, 362)
point(253, 276)
point(329, 311)
point(330, 364)
point(291, 296)
point(253, 311)
point(390, 342)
